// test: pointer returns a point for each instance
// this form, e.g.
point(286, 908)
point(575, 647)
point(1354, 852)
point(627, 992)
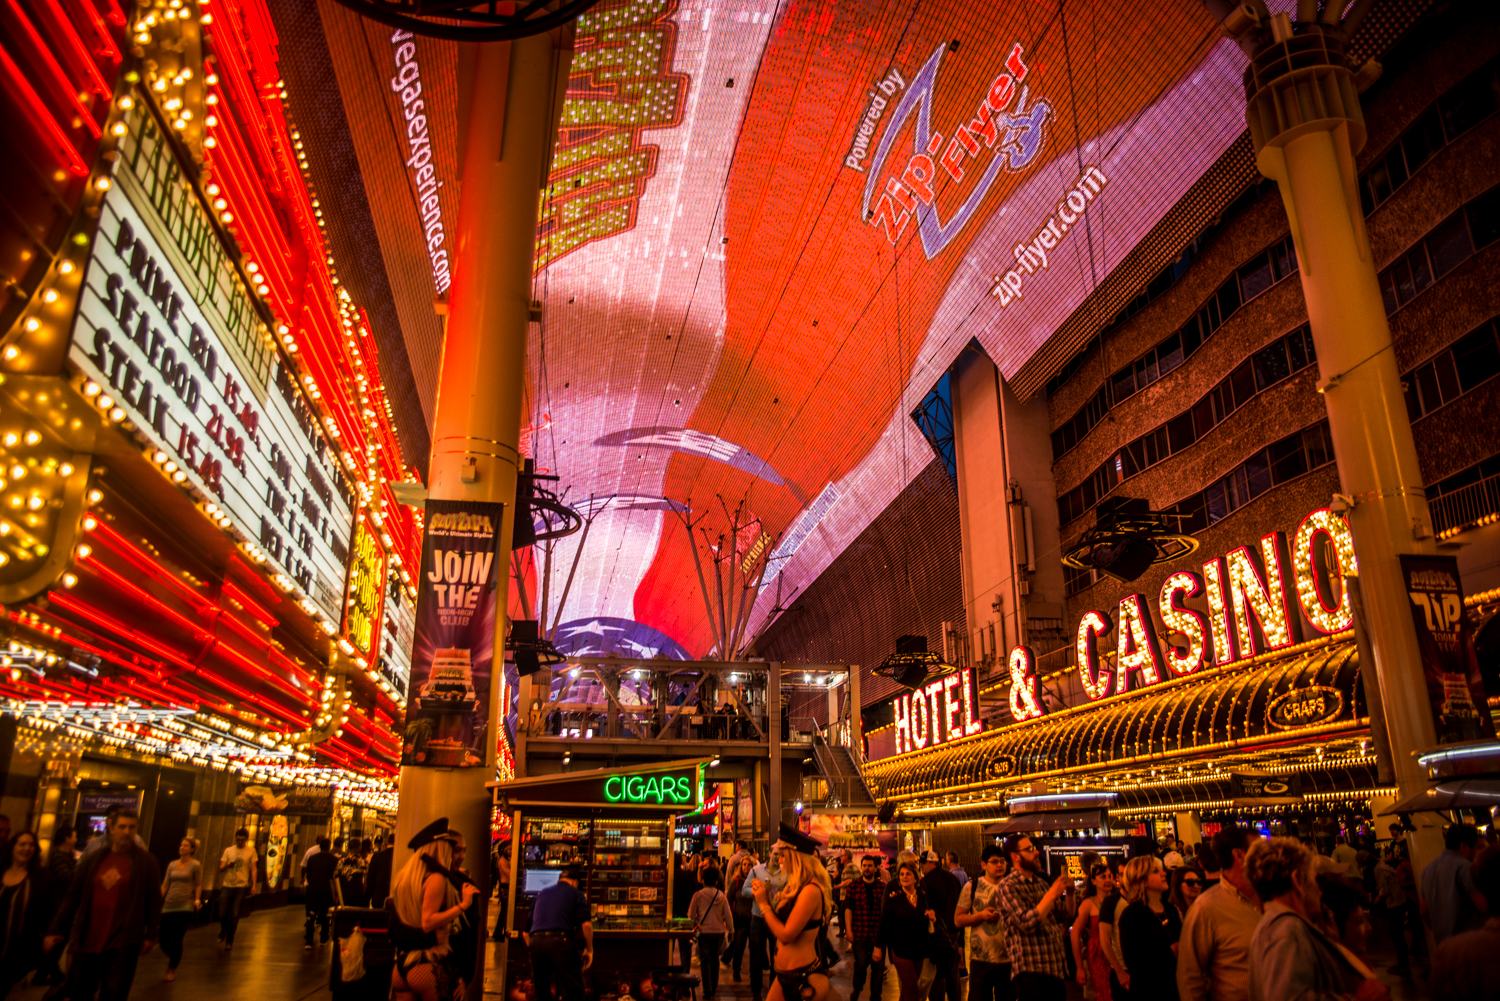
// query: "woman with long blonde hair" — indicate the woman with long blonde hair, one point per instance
point(797, 918)
point(427, 904)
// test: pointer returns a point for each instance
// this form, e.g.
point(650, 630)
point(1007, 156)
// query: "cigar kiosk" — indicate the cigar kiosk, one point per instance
point(617, 823)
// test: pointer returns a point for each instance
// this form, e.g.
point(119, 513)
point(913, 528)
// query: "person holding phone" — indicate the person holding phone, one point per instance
point(979, 910)
point(1028, 905)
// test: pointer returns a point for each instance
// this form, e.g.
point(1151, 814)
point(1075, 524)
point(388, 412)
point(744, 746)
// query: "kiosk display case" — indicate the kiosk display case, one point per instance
point(617, 826)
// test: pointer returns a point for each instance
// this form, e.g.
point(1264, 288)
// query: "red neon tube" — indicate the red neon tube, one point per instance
point(52, 137)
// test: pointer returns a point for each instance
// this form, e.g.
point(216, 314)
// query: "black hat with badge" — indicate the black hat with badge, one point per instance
point(796, 841)
point(435, 831)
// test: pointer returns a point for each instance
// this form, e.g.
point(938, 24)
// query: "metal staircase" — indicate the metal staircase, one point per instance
point(840, 769)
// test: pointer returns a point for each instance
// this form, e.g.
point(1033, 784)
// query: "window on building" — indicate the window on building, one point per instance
point(1471, 228)
point(1471, 361)
point(1250, 280)
point(1468, 103)
point(1280, 462)
point(1273, 363)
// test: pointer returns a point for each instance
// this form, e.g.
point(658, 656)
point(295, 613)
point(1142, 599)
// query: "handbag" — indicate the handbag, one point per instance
point(940, 946)
point(352, 956)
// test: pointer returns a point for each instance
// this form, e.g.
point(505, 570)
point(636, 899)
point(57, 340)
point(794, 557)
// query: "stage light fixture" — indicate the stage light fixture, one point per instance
point(1128, 538)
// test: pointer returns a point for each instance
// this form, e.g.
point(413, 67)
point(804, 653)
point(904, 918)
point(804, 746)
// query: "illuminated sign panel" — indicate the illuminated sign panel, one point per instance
point(364, 602)
point(943, 710)
point(160, 347)
point(653, 789)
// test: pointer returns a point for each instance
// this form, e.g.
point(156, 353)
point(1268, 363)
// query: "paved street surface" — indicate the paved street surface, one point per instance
point(268, 963)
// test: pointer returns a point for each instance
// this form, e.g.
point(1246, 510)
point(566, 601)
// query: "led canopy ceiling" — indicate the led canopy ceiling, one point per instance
point(769, 228)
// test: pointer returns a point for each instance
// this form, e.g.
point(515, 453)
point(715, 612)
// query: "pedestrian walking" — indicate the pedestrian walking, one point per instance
point(713, 920)
point(740, 905)
point(1390, 903)
point(979, 911)
point(62, 862)
point(426, 905)
point(943, 889)
point(1467, 966)
point(863, 899)
point(181, 892)
point(110, 915)
point(1038, 954)
point(237, 880)
point(1290, 955)
point(1451, 903)
point(351, 872)
point(1088, 955)
point(561, 938)
point(27, 902)
point(1213, 953)
point(905, 930)
point(317, 885)
point(1149, 929)
point(762, 943)
point(959, 873)
point(797, 918)
point(378, 879)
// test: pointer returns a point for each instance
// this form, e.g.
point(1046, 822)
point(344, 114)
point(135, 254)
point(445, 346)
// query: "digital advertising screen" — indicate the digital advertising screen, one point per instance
point(771, 227)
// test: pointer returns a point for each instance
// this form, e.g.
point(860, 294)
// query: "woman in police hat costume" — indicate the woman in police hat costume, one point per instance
point(426, 905)
point(797, 917)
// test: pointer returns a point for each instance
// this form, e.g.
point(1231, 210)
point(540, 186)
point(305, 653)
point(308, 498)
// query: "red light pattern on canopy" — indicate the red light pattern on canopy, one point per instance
point(770, 228)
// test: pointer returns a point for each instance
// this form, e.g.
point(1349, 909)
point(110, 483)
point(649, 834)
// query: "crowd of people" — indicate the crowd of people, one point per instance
point(1238, 917)
point(80, 919)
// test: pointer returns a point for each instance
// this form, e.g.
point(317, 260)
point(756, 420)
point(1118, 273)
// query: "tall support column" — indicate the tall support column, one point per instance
point(1307, 126)
point(773, 735)
point(477, 427)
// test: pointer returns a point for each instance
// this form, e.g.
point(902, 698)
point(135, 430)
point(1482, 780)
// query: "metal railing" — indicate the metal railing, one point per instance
point(1476, 504)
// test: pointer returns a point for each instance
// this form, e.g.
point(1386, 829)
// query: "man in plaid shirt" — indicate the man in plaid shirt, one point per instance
point(863, 899)
point(1038, 953)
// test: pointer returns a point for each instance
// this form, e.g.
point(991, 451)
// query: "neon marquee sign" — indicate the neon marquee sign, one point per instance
point(1253, 596)
point(649, 789)
point(940, 712)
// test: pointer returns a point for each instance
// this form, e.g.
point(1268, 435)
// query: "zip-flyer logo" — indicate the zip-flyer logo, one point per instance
point(1007, 122)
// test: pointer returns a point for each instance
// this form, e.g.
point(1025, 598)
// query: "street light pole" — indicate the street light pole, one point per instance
point(1307, 126)
point(507, 139)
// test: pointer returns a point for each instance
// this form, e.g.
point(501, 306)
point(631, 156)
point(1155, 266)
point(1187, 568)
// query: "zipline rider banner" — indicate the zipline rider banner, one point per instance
point(453, 652)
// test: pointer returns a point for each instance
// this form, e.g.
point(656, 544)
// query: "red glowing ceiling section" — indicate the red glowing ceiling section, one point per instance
point(771, 226)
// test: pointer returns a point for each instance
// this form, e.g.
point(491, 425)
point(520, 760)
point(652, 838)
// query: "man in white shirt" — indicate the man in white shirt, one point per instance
point(1213, 951)
point(1345, 855)
point(236, 882)
point(979, 911)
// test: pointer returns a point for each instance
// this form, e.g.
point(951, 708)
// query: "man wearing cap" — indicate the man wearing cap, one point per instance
point(560, 923)
point(942, 889)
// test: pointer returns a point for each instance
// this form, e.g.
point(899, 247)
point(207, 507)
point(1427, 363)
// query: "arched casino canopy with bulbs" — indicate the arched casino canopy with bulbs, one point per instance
point(769, 229)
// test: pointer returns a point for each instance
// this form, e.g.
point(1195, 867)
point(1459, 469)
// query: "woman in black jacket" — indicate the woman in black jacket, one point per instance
point(905, 927)
point(27, 904)
point(1149, 929)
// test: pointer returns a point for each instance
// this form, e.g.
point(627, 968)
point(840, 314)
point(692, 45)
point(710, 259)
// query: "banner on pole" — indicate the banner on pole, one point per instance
point(453, 654)
point(1455, 687)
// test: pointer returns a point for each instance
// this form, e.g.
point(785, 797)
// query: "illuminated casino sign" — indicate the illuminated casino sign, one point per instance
point(943, 710)
point(173, 342)
point(1255, 599)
